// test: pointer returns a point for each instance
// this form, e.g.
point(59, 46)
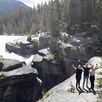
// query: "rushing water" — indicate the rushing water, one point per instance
point(5, 54)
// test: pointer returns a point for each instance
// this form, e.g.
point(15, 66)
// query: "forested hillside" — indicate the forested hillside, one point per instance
point(7, 6)
point(70, 16)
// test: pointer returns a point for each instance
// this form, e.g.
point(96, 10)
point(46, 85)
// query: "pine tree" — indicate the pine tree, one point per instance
point(54, 18)
point(33, 29)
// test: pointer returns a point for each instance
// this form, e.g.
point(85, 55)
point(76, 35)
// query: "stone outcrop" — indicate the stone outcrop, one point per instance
point(20, 85)
point(57, 67)
point(66, 91)
point(44, 41)
point(49, 71)
point(9, 64)
point(54, 56)
point(24, 48)
point(76, 46)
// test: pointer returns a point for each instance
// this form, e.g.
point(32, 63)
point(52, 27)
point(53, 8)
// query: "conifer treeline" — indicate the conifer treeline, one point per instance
point(54, 17)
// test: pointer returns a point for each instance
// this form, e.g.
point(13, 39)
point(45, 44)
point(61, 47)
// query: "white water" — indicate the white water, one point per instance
point(5, 54)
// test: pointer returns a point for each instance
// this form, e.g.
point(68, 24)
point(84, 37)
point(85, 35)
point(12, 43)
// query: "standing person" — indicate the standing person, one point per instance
point(79, 70)
point(86, 75)
point(92, 76)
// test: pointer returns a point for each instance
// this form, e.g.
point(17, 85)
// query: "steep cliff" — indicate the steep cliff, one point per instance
point(20, 85)
point(66, 91)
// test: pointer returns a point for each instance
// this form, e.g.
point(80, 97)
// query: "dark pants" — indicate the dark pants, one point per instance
point(78, 83)
point(92, 80)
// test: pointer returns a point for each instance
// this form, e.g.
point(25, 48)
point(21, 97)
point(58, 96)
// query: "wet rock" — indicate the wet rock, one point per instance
point(22, 47)
point(49, 71)
point(20, 85)
point(68, 50)
point(9, 64)
point(44, 41)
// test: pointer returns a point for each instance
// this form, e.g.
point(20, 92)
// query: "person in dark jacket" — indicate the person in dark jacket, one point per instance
point(86, 68)
point(79, 70)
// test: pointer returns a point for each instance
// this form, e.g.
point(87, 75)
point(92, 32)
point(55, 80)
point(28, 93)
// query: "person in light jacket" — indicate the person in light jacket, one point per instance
point(92, 76)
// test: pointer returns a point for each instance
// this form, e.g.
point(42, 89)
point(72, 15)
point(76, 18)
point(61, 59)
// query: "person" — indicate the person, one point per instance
point(79, 70)
point(92, 76)
point(86, 68)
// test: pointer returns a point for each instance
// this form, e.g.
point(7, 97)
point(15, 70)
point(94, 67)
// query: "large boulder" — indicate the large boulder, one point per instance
point(20, 85)
point(68, 50)
point(22, 47)
point(8, 64)
point(77, 47)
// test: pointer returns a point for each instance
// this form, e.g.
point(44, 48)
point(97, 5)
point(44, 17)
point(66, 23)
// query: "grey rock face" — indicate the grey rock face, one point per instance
point(22, 88)
point(20, 85)
point(50, 73)
point(55, 66)
point(9, 64)
point(24, 50)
